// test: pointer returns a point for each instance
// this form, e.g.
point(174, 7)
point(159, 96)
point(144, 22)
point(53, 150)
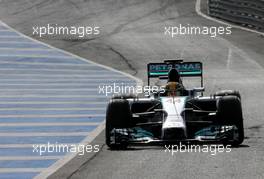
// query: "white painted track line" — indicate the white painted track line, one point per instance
point(47, 172)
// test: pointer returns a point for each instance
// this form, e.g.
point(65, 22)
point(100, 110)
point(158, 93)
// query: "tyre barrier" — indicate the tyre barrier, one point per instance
point(248, 13)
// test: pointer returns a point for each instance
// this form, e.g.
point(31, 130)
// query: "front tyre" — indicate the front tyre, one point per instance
point(229, 111)
point(118, 115)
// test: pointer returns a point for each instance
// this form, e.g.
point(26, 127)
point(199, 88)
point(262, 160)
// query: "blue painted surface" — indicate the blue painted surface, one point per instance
point(2, 27)
point(51, 111)
point(39, 106)
point(32, 74)
point(14, 39)
point(54, 119)
point(26, 163)
point(35, 99)
point(72, 60)
point(62, 81)
point(47, 129)
point(44, 139)
point(7, 32)
point(23, 44)
point(49, 52)
point(47, 85)
point(43, 72)
point(19, 175)
point(20, 152)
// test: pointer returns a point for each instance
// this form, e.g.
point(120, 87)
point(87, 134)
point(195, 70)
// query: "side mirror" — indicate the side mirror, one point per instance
point(198, 89)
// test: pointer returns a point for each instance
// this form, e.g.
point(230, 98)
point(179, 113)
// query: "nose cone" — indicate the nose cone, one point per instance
point(174, 134)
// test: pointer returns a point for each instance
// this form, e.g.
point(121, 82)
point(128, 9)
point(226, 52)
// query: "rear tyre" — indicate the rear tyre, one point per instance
point(124, 96)
point(229, 111)
point(118, 115)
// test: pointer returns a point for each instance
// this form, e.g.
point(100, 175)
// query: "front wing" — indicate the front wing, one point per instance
point(139, 136)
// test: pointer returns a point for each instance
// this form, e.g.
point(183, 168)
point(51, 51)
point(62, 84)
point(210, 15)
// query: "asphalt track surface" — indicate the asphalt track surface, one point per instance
point(133, 35)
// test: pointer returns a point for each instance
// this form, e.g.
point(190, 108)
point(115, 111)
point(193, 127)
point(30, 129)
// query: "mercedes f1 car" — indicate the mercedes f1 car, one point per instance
point(185, 115)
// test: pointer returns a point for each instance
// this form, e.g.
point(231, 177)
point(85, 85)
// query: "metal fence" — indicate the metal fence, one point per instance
point(248, 13)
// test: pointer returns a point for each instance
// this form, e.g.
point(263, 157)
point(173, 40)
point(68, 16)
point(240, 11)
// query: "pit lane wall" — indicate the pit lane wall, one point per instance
point(248, 13)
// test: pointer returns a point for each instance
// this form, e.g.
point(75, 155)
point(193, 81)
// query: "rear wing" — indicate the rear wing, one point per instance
point(185, 69)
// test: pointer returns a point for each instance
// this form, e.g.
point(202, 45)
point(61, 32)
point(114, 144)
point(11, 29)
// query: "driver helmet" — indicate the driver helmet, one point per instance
point(174, 83)
point(173, 76)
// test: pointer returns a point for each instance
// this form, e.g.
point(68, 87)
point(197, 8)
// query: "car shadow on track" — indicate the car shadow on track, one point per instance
point(139, 148)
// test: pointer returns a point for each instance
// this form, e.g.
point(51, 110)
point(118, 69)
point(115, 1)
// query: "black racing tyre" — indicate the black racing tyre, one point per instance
point(118, 115)
point(229, 112)
point(228, 93)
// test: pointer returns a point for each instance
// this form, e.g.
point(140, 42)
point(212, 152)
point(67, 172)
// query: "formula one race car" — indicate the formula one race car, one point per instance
point(175, 114)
